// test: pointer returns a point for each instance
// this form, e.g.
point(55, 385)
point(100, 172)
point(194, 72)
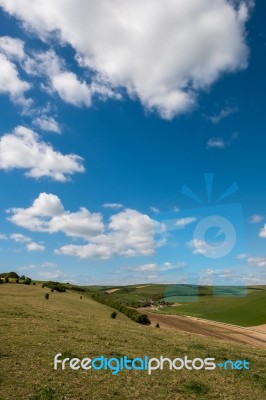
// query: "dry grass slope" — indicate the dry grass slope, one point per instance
point(33, 330)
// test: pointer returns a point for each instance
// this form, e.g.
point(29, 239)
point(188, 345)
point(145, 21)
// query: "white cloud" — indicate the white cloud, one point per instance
point(113, 205)
point(46, 123)
point(262, 232)
point(256, 219)
point(30, 245)
point(71, 90)
point(222, 114)
point(198, 246)
point(56, 274)
point(12, 47)
point(10, 81)
point(24, 149)
point(129, 233)
point(220, 143)
point(47, 214)
point(257, 261)
point(43, 64)
point(145, 268)
point(155, 210)
point(65, 83)
point(183, 222)
point(3, 236)
point(216, 143)
point(19, 238)
point(35, 247)
point(26, 267)
point(164, 53)
point(48, 264)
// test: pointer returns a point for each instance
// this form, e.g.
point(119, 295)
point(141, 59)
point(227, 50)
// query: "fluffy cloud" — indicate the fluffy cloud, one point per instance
point(257, 261)
point(129, 233)
point(47, 214)
point(12, 47)
point(65, 83)
point(262, 233)
point(19, 238)
point(23, 149)
point(35, 247)
point(167, 266)
point(30, 245)
point(164, 53)
point(10, 82)
point(46, 123)
point(71, 90)
point(198, 246)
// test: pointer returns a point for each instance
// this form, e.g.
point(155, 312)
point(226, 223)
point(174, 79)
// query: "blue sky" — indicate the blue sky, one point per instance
point(106, 114)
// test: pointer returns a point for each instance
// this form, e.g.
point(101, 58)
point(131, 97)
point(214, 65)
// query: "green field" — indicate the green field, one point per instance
point(245, 308)
point(33, 330)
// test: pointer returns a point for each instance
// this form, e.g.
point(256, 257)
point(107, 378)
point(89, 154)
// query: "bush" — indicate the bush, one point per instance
point(6, 279)
point(52, 290)
point(80, 297)
point(1, 281)
point(114, 314)
point(43, 285)
point(55, 285)
point(46, 296)
point(157, 325)
point(27, 281)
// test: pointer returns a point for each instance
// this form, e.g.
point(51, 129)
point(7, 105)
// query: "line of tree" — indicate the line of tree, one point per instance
point(129, 312)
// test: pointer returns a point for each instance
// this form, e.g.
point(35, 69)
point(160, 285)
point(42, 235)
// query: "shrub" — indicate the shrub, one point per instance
point(52, 290)
point(34, 283)
point(27, 281)
point(114, 314)
point(6, 279)
point(157, 325)
point(43, 285)
point(80, 297)
point(46, 296)
point(1, 281)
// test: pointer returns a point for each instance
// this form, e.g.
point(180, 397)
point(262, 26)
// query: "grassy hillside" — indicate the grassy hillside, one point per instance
point(33, 330)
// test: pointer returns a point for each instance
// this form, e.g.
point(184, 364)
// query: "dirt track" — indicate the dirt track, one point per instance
point(252, 336)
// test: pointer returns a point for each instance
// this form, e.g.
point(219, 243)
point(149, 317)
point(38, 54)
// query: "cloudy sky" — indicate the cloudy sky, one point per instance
point(124, 125)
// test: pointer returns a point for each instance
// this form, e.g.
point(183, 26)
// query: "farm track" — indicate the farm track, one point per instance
point(250, 336)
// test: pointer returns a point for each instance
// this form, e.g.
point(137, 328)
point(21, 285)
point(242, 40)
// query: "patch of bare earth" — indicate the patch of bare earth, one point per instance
point(255, 336)
point(110, 291)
